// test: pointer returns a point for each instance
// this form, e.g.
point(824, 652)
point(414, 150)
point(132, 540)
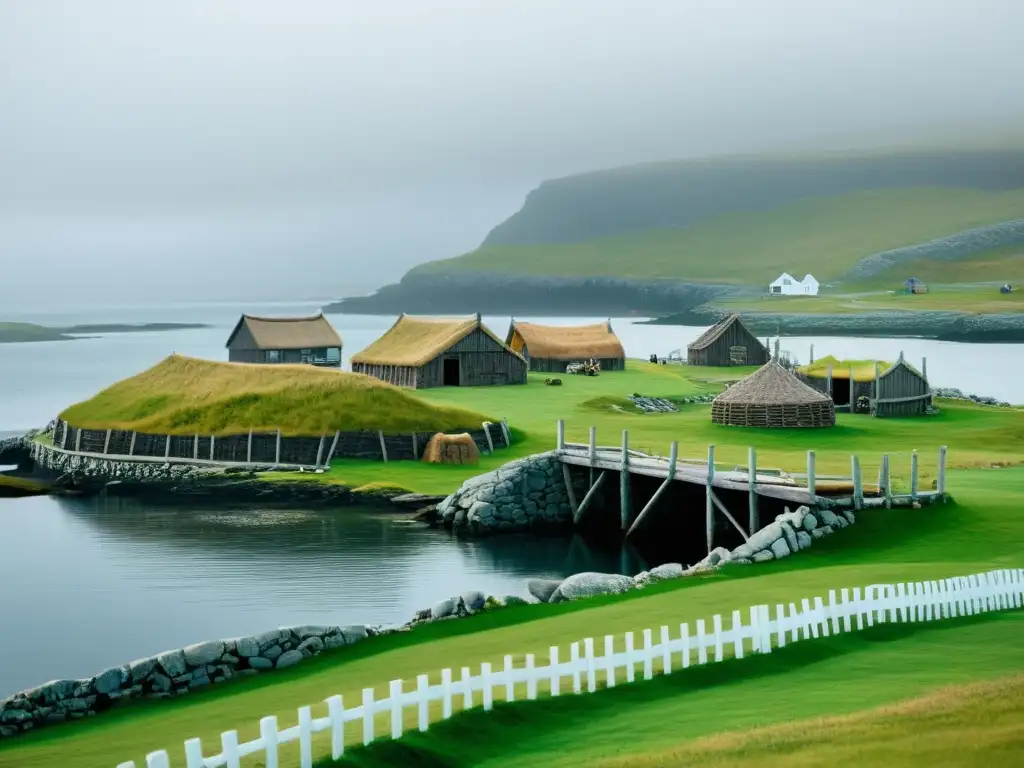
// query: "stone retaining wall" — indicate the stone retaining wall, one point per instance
point(526, 494)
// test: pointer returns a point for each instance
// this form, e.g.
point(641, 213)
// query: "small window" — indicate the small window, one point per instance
point(273, 356)
point(333, 355)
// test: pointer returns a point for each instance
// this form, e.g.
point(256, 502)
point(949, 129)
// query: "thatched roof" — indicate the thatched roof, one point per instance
point(567, 342)
point(773, 397)
point(711, 335)
point(289, 332)
point(415, 341)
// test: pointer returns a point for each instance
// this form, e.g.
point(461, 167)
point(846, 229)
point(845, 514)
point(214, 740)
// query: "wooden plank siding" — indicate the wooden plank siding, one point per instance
point(553, 365)
point(898, 382)
point(482, 362)
point(718, 353)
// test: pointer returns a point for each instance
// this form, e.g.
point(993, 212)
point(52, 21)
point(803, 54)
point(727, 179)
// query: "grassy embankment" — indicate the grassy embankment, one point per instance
point(823, 235)
point(982, 531)
point(183, 395)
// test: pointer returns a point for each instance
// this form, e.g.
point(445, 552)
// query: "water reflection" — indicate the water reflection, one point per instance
point(96, 582)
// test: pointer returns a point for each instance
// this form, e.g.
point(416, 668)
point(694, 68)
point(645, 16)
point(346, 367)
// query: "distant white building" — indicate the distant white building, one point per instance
point(787, 285)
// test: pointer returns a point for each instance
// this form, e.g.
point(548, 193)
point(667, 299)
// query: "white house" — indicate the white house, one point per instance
point(787, 285)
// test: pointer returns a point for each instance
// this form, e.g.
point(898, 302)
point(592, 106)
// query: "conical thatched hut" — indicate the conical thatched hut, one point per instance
point(773, 397)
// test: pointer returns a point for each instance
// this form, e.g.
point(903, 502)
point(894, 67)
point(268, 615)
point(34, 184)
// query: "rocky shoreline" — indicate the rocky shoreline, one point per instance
point(181, 671)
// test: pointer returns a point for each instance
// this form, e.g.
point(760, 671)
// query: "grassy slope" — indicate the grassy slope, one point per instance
point(977, 436)
point(972, 300)
point(983, 531)
point(822, 235)
point(184, 395)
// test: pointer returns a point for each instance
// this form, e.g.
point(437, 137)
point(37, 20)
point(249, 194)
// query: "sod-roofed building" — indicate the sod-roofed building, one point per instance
point(551, 348)
point(876, 387)
point(423, 352)
point(773, 397)
point(727, 342)
point(311, 340)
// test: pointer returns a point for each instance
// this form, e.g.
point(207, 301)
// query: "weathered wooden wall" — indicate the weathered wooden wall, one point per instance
point(551, 365)
point(717, 353)
point(902, 381)
point(235, 448)
point(252, 355)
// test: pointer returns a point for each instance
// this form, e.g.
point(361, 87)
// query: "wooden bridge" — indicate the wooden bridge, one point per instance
point(772, 485)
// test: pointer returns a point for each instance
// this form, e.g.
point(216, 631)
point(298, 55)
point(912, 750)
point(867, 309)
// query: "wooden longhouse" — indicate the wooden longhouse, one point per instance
point(421, 352)
point(890, 389)
point(551, 348)
point(310, 340)
point(727, 342)
point(773, 397)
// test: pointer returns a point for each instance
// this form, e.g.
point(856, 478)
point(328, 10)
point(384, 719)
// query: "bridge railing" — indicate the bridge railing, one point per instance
point(586, 669)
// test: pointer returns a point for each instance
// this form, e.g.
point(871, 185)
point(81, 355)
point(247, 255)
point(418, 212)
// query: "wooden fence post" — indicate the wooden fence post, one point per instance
point(195, 446)
point(561, 435)
point(709, 500)
point(858, 488)
point(913, 475)
point(624, 481)
point(592, 454)
point(106, 443)
point(752, 489)
point(167, 448)
point(131, 444)
point(213, 440)
point(383, 447)
point(248, 450)
point(940, 483)
point(811, 476)
point(277, 448)
point(884, 472)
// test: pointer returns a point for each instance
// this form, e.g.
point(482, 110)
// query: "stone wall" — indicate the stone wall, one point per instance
point(171, 674)
point(526, 494)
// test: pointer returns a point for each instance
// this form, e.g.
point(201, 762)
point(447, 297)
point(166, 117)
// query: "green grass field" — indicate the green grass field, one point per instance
point(183, 395)
point(822, 235)
point(969, 299)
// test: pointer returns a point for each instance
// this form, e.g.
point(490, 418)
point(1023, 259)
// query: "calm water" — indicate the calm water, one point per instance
point(88, 584)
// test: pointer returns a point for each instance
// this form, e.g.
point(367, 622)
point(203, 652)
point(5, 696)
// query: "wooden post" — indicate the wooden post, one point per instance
point(858, 488)
point(248, 450)
point(853, 392)
point(78, 441)
point(812, 353)
point(213, 440)
point(673, 453)
point(721, 508)
point(878, 390)
point(811, 478)
point(277, 448)
point(320, 450)
point(592, 452)
point(940, 484)
point(924, 369)
point(624, 481)
point(64, 437)
point(561, 435)
point(506, 431)
point(828, 380)
point(913, 475)
point(131, 443)
point(167, 448)
point(487, 434)
point(709, 509)
point(586, 499)
point(383, 448)
point(195, 446)
point(887, 489)
point(334, 445)
point(415, 448)
point(106, 443)
point(752, 489)
point(568, 488)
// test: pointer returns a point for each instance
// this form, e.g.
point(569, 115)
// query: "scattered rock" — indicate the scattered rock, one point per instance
point(790, 535)
point(543, 589)
point(258, 662)
point(110, 680)
point(827, 517)
point(660, 573)
point(583, 585)
point(474, 600)
point(763, 556)
point(312, 645)
point(780, 549)
point(810, 522)
point(172, 663)
point(289, 659)
point(803, 539)
point(201, 654)
point(247, 646)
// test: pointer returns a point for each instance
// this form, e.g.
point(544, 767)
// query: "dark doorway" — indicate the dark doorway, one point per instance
point(841, 391)
point(451, 372)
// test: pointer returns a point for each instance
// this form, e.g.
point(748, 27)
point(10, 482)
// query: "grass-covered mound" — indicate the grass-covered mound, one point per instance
point(184, 395)
point(863, 370)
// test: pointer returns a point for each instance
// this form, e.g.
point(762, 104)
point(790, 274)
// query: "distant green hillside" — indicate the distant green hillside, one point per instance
point(825, 236)
point(676, 194)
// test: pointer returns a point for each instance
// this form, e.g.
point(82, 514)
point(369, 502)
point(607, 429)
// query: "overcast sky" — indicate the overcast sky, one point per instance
point(309, 148)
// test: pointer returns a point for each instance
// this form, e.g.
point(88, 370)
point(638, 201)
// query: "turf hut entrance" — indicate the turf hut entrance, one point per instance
point(870, 386)
point(550, 348)
point(773, 397)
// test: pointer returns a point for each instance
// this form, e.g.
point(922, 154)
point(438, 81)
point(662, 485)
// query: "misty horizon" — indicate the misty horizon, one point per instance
point(195, 151)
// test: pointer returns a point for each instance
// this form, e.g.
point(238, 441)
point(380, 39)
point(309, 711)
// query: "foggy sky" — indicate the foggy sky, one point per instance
point(316, 148)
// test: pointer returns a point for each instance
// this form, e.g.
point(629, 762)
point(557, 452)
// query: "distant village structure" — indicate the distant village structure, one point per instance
point(550, 348)
point(310, 340)
point(727, 342)
point(885, 389)
point(787, 285)
point(913, 285)
point(422, 352)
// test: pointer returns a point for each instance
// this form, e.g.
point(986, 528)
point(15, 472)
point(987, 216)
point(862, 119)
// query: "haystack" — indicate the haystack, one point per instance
point(451, 449)
point(773, 397)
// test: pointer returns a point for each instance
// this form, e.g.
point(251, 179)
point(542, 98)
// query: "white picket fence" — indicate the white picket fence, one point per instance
point(854, 610)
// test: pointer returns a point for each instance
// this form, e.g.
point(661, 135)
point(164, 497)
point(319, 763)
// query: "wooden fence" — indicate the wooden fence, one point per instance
point(263, 447)
point(586, 669)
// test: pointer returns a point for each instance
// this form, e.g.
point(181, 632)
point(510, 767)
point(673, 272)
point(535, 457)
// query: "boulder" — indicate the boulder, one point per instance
point(850, 517)
point(762, 539)
point(780, 549)
point(481, 510)
point(353, 633)
point(790, 536)
point(334, 641)
point(717, 556)
point(474, 600)
point(289, 659)
point(272, 652)
point(803, 539)
point(312, 645)
point(141, 669)
point(445, 608)
point(583, 585)
point(763, 556)
point(840, 523)
point(258, 662)
point(201, 654)
point(172, 663)
point(810, 522)
point(247, 646)
point(826, 517)
point(794, 518)
point(543, 589)
point(662, 572)
point(110, 680)
point(306, 632)
point(161, 683)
